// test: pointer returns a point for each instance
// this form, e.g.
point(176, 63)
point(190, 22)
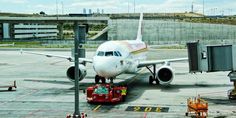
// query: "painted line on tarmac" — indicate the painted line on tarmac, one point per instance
point(96, 108)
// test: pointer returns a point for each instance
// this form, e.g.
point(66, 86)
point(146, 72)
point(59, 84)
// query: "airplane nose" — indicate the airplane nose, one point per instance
point(105, 68)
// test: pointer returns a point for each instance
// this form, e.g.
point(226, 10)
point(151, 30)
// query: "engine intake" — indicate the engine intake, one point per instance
point(71, 73)
point(165, 75)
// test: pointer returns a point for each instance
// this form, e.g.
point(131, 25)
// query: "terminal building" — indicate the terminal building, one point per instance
point(28, 31)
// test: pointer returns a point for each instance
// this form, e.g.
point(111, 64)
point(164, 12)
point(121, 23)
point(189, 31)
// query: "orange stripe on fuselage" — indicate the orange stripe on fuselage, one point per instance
point(139, 51)
point(134, 46)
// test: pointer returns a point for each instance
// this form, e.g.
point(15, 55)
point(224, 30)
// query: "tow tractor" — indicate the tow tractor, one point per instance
point(106, 93)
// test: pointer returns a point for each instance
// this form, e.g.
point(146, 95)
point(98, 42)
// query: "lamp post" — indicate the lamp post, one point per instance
point(134, 6)
point(203, 7)
point(76, 56)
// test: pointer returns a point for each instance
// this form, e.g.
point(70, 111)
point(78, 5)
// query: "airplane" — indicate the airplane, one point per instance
point(113, 58)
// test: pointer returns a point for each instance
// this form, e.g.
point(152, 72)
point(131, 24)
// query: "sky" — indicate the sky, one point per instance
point(211, 7)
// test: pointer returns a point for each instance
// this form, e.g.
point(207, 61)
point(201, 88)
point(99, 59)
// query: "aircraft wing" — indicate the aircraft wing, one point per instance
point(152, 62)
point(58, 56)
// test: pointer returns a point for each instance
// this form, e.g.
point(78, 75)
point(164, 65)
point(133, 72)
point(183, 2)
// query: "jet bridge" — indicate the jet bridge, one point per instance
point(213, 58)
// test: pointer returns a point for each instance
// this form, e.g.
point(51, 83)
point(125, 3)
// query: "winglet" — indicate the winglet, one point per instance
point(139, 34)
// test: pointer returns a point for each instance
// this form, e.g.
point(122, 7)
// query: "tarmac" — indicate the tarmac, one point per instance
point(43, 90)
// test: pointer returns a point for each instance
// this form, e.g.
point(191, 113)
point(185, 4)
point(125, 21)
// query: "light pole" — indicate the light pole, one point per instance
point(134, 6)
point(76, 44)
point(62, 7)
point(128, 6)
point(56, 7)
point(203, 5)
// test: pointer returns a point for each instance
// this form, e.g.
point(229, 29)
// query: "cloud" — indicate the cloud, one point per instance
point(165, 6)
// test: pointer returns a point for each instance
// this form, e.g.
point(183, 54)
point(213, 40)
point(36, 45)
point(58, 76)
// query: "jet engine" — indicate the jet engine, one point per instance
point(71, 72)
point(165, 75)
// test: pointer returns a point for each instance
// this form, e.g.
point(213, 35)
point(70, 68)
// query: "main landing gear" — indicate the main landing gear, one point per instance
point(153, 77)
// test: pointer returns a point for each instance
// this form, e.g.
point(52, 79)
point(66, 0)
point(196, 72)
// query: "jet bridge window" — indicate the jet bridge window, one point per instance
point(100, 53)
point(110, 53)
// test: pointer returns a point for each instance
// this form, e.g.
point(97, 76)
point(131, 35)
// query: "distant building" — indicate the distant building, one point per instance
point(84, 11)
point(90, 11)
point(98, 11)
point(102, 11)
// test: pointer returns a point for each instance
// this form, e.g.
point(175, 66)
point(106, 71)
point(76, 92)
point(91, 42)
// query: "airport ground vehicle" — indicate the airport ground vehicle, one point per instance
point(10, 87)
point(197, 107)
point(232, 94)
point(106, 93)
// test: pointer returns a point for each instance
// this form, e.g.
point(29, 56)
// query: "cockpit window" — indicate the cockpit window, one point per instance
point(116, 54)
point(119, 53)
point(110, 53)
point(100, 53)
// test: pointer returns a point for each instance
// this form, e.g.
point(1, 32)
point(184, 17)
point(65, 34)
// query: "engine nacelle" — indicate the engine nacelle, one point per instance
point(165, 75)
point(71, 72)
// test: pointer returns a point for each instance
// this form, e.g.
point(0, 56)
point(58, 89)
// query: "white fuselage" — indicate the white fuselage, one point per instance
point(116, 57)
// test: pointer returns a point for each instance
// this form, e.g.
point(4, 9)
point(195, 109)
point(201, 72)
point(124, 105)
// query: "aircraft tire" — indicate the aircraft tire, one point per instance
point(97, 79)
point(103, 80)
point(151, 80)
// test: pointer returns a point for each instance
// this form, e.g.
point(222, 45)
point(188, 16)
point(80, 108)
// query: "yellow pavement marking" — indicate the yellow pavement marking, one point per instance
point(96, 108)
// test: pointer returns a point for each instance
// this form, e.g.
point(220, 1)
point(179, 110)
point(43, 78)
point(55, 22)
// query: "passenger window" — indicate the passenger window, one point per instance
point(109, 53)
point(100, 53)
point(116, 54)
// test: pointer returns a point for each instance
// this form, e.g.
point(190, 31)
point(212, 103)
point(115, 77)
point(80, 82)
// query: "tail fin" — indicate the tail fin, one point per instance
point(139, 34)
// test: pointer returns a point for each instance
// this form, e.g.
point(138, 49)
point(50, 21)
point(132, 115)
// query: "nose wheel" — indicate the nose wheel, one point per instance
point(111, 80)
point(99, 78)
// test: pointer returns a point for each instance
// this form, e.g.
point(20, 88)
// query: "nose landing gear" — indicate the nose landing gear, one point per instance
point(102, 79)
point(99, 78)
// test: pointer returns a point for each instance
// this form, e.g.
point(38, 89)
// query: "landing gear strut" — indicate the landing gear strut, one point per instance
point(153, 77)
